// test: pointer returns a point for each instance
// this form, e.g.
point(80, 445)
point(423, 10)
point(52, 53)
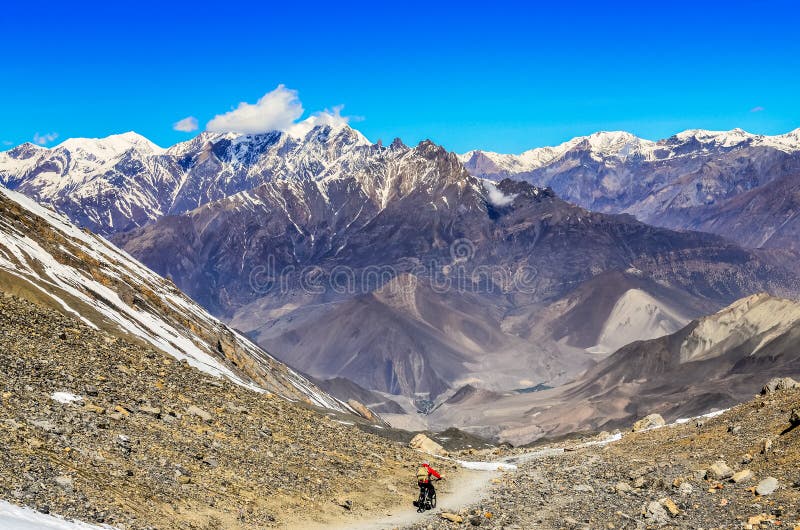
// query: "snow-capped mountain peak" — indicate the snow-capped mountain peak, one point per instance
point(621, 145)
point(112, 145)
point(123, 181)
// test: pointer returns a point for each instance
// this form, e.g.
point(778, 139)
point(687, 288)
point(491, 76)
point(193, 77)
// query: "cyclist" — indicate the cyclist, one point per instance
point(425, 473)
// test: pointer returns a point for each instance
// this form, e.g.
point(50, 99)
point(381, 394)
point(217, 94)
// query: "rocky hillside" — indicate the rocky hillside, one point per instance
point(714, 362)
point(107, 430)
point(736, 470)
point(44, 258)
point(728, 182)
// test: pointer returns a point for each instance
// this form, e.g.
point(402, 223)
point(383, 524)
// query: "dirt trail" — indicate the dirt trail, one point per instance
point(468, 487)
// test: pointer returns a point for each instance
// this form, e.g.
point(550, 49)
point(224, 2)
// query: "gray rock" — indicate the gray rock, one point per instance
point(45, 425)
point(64, 482)
point(200, 413)
point(685, 489)
point(656, 512)
point(767, 486)
point(623, 487)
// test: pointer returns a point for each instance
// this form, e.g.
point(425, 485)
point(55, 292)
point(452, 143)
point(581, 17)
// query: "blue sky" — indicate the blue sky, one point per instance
point(493, 75)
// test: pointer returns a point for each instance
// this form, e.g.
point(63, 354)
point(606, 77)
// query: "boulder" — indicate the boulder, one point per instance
point(64, 482)
point(685, 489)
point(719, 470)
point(453, 518)
point(200, 413)
point(767, 486)
point(361, 409)
point(649, 422)
point(656, 512)
point(426, 445)
point(623, 487)
point(777, 384)
point(670, 506)
point(742, 476)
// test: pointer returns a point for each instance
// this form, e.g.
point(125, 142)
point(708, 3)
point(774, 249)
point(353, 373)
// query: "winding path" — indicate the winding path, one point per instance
point(469, 487)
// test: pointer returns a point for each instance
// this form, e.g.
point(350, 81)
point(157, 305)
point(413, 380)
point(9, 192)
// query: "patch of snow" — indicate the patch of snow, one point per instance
point(681, 421)
point(487, 466)
point(14, 517)
point(65, 397)
point(605, 441)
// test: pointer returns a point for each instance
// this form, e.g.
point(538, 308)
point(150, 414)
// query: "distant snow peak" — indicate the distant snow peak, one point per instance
point(112, 145)
point(618, 145)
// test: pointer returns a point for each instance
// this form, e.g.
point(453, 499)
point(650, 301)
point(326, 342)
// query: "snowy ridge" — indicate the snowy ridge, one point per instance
point(621, 145)
point(76, 270)
point(124, 181)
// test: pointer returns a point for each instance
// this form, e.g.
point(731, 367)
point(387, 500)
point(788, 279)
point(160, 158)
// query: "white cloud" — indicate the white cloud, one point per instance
point(278, 110)
point(187, 124)
point(757, 109)
point(333, 118)
point(42, 139)
point(497, 197)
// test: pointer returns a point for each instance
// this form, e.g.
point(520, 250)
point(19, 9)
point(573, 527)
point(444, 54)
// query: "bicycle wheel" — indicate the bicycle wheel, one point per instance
point(433, 500)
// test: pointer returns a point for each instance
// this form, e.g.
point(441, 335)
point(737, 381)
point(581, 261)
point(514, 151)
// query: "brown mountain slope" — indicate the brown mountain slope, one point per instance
point(153, 443)
point(714, 362)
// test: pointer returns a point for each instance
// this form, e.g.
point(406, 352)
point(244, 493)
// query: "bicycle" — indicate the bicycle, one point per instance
point(427, 498)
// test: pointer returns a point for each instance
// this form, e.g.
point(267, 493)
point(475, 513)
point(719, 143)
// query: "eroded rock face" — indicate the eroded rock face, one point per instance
point(779, 383)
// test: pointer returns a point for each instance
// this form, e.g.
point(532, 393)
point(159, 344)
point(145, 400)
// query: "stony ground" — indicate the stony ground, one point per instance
point(154, 443)
point(673, 477)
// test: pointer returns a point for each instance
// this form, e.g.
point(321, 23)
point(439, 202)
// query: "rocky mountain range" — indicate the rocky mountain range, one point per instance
point(396, 268)
point(481, 283)
point(700, 180)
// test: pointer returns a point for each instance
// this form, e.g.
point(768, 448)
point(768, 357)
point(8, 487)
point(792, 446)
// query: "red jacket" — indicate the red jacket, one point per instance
point(431, 472)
